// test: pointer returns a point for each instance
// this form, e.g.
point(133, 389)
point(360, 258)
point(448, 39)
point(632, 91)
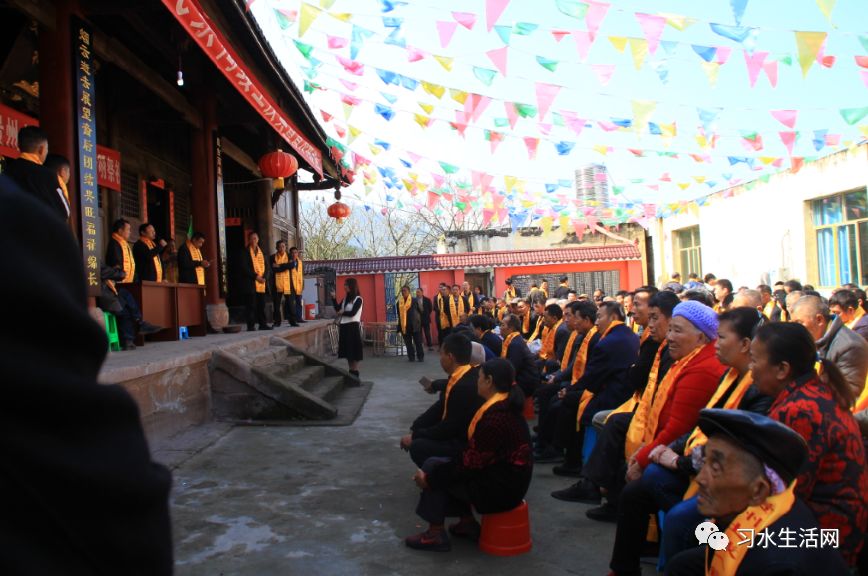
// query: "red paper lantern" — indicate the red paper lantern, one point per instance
point(339, 211)
point(278, 165)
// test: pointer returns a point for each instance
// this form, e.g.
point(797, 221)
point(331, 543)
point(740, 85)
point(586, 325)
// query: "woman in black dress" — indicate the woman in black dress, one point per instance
point(349, 325)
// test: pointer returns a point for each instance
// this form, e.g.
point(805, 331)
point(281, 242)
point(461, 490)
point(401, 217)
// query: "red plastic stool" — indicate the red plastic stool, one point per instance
point(528, 408)
point(506, 533)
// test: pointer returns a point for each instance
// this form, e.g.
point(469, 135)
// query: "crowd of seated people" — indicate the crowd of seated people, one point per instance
point(747, 407)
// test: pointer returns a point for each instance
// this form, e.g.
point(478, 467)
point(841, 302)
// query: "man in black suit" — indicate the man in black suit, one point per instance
point(81, 494)
point(29, 173)
point(191, 263)
point(441, 431)
point(146, 252)
point(254, 271)
point(426, 307)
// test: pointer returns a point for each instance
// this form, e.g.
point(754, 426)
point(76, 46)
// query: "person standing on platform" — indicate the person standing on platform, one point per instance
point(296, 284)
point(147, 252)
point(511, 293)
point(410, 324)
point(254, 285)
point(169, 260)
point(349, 311)
point(29, 173)
point(280, 267)
point(426, 307)
point(122, 269)
point(191, 264)
point(563, 289)
point(447, 314)
point(470, 297)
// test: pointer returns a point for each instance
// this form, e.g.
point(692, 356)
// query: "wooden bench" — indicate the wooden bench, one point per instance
point(171, 306)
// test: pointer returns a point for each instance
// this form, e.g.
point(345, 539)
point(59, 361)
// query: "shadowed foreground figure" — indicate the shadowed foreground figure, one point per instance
point(80, 492)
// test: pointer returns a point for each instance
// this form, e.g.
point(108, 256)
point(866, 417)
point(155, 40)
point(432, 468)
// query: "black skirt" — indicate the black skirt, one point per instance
point(350, 341)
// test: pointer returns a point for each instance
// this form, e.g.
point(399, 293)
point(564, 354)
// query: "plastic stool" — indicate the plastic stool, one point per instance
point(183, 333)
point(111, 328)
point(588, 443)
point(528, 408)
point(506, 533)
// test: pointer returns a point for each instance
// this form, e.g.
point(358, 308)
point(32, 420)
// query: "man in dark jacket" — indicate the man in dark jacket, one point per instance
point(147, 252)
point(29, 173)
point(750, 462)
point(191, 263)
point(563, 289)
point(254, 273)
point(426, 307)
point(81, 493)
point(519, 355)
point(441, 431)
point(410, 324)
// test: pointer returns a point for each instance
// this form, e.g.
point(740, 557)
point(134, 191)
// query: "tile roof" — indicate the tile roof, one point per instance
point(501, 259)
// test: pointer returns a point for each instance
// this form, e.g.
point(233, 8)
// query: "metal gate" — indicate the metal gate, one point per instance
point(394, 281)
point(609, 281)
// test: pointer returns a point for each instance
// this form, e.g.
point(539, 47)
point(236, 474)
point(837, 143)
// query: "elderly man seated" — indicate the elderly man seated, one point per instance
point(746, 487)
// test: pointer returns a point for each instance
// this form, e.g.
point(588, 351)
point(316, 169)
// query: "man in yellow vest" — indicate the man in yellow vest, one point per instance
point(296, 274)
point(191, 263)
point(253, 273)
point(286, 281)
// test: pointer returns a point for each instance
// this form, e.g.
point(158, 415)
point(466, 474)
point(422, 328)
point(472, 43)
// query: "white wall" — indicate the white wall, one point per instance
point(759, 234)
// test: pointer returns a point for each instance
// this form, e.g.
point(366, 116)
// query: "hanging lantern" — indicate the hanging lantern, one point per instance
point(278, 165)
point(339, 210)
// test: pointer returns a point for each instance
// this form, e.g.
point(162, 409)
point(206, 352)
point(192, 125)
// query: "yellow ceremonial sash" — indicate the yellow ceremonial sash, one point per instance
point(856, 316)
point(587, 395)
point(650, 413)
point(129, 263)
point(499, 396)
point(635, 327)
point(565, 359)
point(754, 518)
point(31, 157)
point(258, 267)
point(510, 292)
point(403, 308)
point(718, 308)
point(769, 308)
point(196, 256)
point(525, 323)
point(453, 378)
point(501, 312)
point(582, 356)
point(471, 300)
point(698, 437)
point(538, 331)
point(296, 276)
point(158, 266)
point(647, 394)
point(506, 344)
point(454, 310)
point(862, 401)
point(444, 319)
point(548, 345)
point(645, 335)
point(281, 279)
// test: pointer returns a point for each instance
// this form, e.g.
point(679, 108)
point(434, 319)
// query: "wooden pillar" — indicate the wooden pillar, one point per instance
point(57, 94)
point(265, 215)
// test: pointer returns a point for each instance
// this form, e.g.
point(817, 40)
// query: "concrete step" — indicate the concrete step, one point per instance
point(289, 368)
point(307, 376)
point(327, 388)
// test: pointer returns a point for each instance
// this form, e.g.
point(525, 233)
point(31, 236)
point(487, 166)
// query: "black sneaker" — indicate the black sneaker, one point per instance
point(569, 471)
point(148, 328)
point(428, 540)
point(265, 327)
point(608, 512)
point(583, 491)
point(548, 455)
point(301, 321)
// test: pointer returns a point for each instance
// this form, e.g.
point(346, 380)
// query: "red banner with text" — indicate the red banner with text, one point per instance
point(11, 121)
point(108, 168)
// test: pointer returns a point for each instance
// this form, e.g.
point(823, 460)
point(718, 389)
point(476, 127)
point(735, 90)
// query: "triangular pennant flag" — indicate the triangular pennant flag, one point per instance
point(863, 39)
point(498, 57)
point(594, 16)
point(466, 19)
point(583, 43)
point(446, 29)
point(789, 139)
point(678, 21)
point(707, 53)
point(308, 15)
point(428, 108)
point(652, 25)
point(525, 110)
point(809, 45)
point(735, 33)
point(572, 8)
point(711, 69)
point(853, 115)
point(642, 110)
point(384, 111)
point(459, 96)
point(754, 62)
point(574, 123)
point(343, 17)
point(493, 10)
point(796, 164)
point(619, 42)
point(826, 6)
point(336, 42)
point(862, 61)
point(348, 111)
point(559, 34)
point(505, 32)
point(738, 7)
point(484, 75)
point(359, 35)
point(722, 54)
point(351, 86)
point(354, 132)
point(421, 120)
point(494, 138)
point(511, 114)
point(603, 72)
point(414, 54)
point(545, 95)
point(563, 148)
point(549, 65)
point(305, 49)
point(351, 66)
point(433, 89)
point(785, 117)
point(524, 28)
point(448, 168)
point(445, 61)
point(819, 139)
point(639, 50)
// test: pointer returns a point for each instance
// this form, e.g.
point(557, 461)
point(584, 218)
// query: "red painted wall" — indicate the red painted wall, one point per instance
point(630, 273)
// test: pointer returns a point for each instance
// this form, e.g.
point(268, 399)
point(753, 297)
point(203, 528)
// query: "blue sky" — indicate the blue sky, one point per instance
point(740, 109)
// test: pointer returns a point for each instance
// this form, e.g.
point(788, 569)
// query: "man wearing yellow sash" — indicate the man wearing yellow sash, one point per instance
point(514, 349)
point(723, 294)
point(556, 335)
point(746, 485)
point(121, 269)
point(426, 307)
point(458, 306)
point(536, 322)
point(471, 298)
point(253, 274)
point(146, 253)
point(410, 324)
point(846, 305)
point(443, 313)
point(288, 282)
point(29, 173)
point(441, 431)
point(191, 263)
point(770, 307)
point(602, 385)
